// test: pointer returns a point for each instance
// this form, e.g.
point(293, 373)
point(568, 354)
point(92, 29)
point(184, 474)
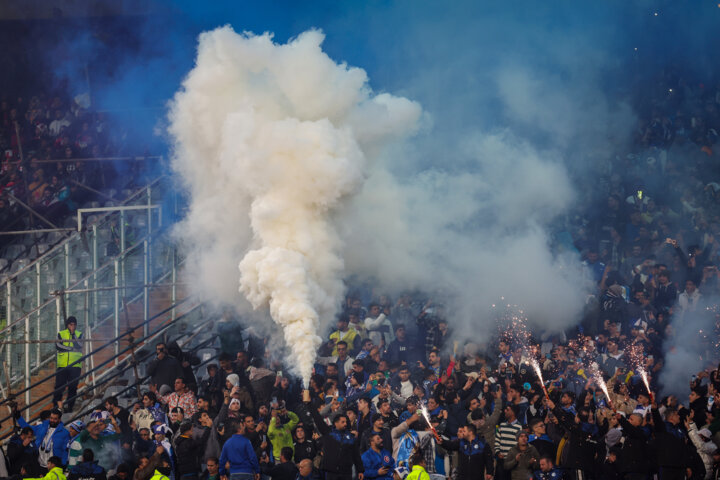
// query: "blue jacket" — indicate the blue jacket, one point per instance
point(373, 461)
point(87, 470)
point(239, 452)
point(60, 438)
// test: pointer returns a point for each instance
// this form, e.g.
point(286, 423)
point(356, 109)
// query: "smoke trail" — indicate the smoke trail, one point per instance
point(693, 343)
point(279, 135)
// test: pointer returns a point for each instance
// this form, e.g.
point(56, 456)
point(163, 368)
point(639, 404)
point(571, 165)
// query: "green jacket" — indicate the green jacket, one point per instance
point(281, 435)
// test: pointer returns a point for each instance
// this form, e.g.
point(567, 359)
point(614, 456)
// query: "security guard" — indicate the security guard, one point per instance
point(69, 353)
point(159, 476)
point(418, 467)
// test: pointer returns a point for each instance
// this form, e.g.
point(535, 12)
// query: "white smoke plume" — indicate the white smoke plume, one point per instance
point(269, 140)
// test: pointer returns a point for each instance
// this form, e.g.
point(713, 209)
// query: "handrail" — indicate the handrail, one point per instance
point(111, 359)
point(137, 384)
point(70, 237)
point(102, 347)
point(119, 372)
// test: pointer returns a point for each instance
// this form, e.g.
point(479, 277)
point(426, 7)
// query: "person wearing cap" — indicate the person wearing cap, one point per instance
point(74, 447)
point(69, 353)
point(521, 459)
point(705, 448)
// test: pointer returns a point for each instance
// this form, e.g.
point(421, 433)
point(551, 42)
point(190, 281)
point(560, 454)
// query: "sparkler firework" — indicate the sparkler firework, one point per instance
point(600, 381)
point(426, 416)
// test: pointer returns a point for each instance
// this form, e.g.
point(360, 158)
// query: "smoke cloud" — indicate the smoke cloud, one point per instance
point(692, 345)
point(287, 132)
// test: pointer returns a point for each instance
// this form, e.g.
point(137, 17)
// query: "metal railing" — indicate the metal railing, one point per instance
point(118, 370)
point(123, 255)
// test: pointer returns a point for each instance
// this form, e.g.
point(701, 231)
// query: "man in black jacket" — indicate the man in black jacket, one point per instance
point(339, 448)
point(583, 444)
point(284, 470)
point(378, 428)
point(634, 454)
point(669, 444)
point(189, 451)
point(475, 458)
point(164, 369)
point(22, 451)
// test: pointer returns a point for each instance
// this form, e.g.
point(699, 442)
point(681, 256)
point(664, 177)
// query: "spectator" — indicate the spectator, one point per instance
point(377, 461)
point(475, 457)
point(22, 451)
point(282, 423)
point(189, 451)
point(103, 444)
point(164, 369)
point(88, 468)
point(182, 397)
point(339, 449)
point(285, 469)
point(547, 470)
point(521, 459)
point(212, 471)
point(239, 454)
point(53, 437)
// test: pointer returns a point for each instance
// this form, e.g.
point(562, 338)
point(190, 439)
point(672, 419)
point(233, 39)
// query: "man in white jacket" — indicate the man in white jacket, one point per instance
point(379, 328)
point(705, 448)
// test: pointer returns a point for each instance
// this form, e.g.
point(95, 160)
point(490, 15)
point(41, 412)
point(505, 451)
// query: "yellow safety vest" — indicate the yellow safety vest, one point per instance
point(54, 474)
point(418, 473)
point(159, 476)
point(66, 358)
point(347, 337)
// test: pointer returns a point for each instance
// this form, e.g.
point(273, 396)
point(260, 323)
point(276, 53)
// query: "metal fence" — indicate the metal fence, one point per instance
point(121, 255)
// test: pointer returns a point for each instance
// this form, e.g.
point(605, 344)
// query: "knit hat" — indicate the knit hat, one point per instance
point(70, 320)
point(162, 428)
point(234, 379)
point(234, 401)
point(77, 425)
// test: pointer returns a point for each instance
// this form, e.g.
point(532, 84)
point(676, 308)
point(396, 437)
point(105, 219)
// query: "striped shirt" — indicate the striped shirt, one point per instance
point(506, 436)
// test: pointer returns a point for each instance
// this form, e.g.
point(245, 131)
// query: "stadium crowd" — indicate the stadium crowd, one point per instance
point(46, 140)
point(651, 253)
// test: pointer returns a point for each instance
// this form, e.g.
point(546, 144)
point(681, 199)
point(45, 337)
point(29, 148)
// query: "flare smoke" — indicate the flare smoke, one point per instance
point(274, 138)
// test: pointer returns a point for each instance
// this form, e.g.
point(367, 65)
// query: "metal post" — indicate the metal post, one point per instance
point(122, 230)
point(146, 290)
point(94, 315)
point(86, 326)
point(58, 312)
point(67, 264)
point(8, 315)
point(39, 299)
point(174, 281)
point(117, 309)
point(122, 243)
point(27, 359)
point(149, 210)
